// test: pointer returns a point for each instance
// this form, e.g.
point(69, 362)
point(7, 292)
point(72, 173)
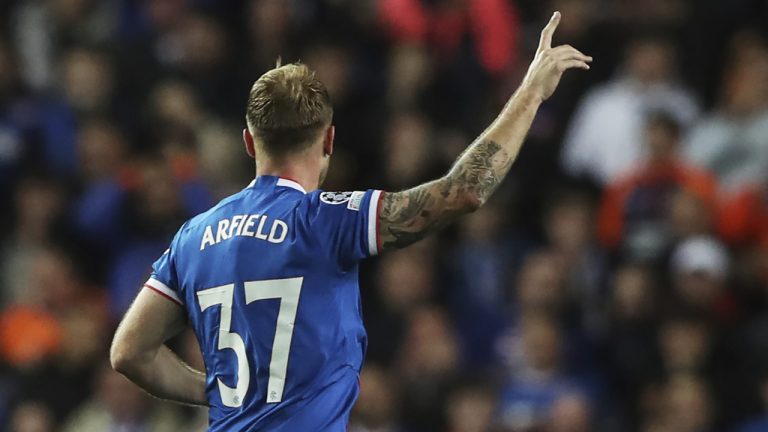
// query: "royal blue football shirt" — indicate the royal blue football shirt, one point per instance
point(269, 281)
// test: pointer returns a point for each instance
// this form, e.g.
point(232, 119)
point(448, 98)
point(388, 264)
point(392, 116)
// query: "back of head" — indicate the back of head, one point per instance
point(288, 110)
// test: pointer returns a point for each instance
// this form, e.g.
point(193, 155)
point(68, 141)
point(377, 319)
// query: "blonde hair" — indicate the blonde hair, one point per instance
point(287, 108)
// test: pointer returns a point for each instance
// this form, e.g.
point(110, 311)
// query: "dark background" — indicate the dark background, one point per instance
point(616, 282)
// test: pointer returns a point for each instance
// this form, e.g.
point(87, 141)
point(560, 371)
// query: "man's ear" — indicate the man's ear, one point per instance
point(330, 134)
point(249, 148)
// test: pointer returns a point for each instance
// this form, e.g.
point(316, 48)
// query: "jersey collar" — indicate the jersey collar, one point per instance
point(276, 181)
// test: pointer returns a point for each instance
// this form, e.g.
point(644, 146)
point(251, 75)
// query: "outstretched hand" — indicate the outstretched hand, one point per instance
point(549, 64)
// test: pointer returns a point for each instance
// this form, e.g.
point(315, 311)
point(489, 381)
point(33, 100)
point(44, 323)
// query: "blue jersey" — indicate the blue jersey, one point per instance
point(269, 281)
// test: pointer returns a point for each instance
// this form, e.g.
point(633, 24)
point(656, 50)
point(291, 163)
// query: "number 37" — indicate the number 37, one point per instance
point(288, 291)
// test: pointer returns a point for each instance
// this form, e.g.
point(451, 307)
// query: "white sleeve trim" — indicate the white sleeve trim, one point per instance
point(373, 217)
point(163, 289)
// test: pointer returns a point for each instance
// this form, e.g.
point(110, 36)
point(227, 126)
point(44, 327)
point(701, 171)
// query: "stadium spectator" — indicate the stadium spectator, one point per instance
point(376, 410)
point(570, 413)
point(630, 341)
point(88, 81)
point(572, 238)
point(118, 405)
point(30, 416)
point(272, 26)
point(731, 140)
point(176, 110)
point(540, 283)
point(162, 193)
point(760, 422)
point(410, 72)
point(685, 346)
point(700, 270)
point(537, 373)
point(479, 271)
point(406, 281)
point(743, 217)
point(101, 157)
point(471, 408)
point(17, 126)
point(428, 366)
point(408, 147)
point(683, 404)
point(86, 88)
point(121, 119)
point(604, 150)
point(44, 29)
point(64, 321)
point(493, 23)
point(642, 209)
point(39, 204)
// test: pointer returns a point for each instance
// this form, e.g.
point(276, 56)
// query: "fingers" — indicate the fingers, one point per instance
point(572, 64)
point(562, 57)
point(567, 52)
point(545, 42)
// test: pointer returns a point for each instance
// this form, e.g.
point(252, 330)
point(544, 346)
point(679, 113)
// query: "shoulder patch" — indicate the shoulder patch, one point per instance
point(335, 197)
point(355, 200)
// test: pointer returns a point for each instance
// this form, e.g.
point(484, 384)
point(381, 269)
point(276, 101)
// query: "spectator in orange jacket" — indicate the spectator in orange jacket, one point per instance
point(660, 200)
point(743, 223)
point(744, 217)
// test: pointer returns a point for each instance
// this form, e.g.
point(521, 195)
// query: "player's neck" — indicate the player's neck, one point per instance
point(305, 173)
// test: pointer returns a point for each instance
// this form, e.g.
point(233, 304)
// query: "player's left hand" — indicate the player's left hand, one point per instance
point(549, 64)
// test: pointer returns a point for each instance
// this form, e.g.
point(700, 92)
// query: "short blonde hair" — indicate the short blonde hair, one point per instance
point(287, 108)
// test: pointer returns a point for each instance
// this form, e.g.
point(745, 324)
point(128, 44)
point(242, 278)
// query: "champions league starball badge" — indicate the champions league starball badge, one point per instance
point(335, 197)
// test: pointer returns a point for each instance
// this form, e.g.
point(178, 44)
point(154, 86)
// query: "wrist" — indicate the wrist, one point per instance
point(530, 95)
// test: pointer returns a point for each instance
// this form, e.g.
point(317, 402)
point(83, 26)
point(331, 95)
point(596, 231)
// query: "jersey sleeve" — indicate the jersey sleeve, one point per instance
point(164, 279)
point(346, 223)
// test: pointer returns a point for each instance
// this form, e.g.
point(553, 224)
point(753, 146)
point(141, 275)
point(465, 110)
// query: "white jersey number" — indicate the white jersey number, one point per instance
point(288, 291)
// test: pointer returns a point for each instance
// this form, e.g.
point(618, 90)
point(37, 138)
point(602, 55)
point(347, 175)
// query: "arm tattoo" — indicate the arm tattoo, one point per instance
point(408, 216)
point(481, 168)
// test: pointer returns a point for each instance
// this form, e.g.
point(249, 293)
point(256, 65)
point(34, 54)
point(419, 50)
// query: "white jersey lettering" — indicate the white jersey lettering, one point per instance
point(243, 226)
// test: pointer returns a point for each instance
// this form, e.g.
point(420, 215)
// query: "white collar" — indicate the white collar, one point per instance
point(284, 183)
point(291, 184)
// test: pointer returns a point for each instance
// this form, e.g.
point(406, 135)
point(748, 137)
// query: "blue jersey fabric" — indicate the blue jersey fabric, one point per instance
point(269, 280)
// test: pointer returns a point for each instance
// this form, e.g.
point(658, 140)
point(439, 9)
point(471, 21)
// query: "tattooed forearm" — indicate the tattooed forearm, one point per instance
point(481, 168)
point(407, 217)
point(411, 215)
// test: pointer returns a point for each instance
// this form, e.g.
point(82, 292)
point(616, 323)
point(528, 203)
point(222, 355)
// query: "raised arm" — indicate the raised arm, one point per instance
point(408, 216)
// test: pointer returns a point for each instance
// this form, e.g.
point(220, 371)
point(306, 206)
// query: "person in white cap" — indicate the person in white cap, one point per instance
point(700, 269)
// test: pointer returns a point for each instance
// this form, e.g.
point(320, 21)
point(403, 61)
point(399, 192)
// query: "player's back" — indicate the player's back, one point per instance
point(270, 283)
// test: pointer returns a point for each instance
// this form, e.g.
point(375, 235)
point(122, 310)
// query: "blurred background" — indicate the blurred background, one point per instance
point(617, 282)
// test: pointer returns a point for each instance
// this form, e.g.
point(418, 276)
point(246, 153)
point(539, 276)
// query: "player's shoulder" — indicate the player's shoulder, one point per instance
point(349, 199)
point(322, 201)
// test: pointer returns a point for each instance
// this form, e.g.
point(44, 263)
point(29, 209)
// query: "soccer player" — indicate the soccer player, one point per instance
point(268, 278)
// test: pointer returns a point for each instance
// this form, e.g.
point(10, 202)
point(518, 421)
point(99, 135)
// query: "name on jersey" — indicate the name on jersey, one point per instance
point(256, 226)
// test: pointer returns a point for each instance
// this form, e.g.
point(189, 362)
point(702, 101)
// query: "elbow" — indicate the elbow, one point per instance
point(460, 196)
point(121, 362)
point(122, 359)
point(471, 201)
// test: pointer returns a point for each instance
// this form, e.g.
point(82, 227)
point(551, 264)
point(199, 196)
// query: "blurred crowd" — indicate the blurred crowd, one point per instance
point(617, 282)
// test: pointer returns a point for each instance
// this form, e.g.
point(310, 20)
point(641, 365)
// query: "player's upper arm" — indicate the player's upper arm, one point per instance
point(408, 216)
point(345, 224)
point(164, 279)
point(156, 315)
point(149, 322)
